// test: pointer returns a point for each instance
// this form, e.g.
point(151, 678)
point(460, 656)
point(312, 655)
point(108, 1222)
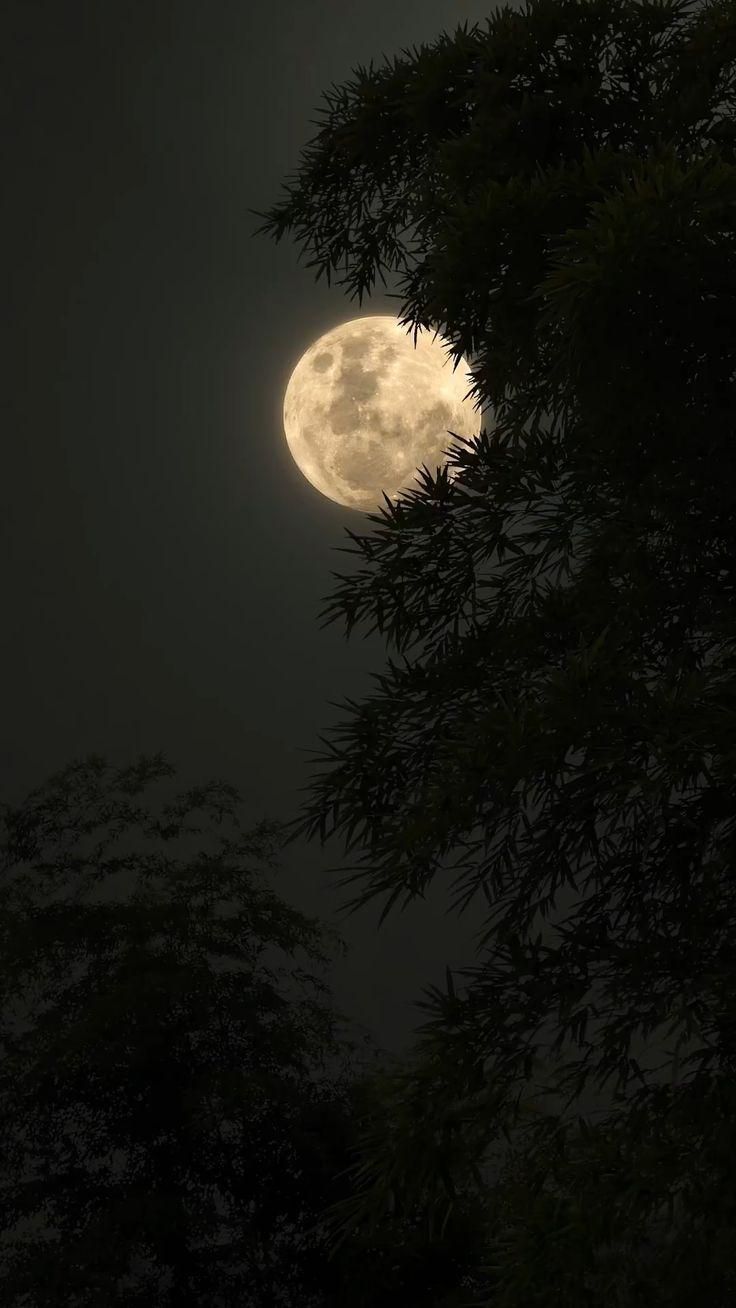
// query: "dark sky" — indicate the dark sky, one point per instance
point(163, 559)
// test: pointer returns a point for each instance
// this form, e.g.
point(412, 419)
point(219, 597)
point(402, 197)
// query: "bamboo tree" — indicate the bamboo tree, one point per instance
point(555, 195)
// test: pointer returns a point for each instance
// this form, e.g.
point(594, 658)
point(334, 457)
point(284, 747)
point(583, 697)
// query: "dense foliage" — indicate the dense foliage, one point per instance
point(555, 195)
point(174, 1087)
point(181, 1102)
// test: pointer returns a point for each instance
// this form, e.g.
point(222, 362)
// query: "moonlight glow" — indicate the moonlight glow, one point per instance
point(364, 409)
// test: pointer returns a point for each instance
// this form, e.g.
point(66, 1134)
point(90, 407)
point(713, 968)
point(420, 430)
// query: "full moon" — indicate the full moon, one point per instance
point(364, 409)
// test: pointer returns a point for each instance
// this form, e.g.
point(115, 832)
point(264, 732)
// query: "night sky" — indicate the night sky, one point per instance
point(164, 561)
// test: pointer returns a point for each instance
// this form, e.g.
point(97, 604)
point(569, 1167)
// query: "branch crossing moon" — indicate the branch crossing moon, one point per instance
point(364, 409)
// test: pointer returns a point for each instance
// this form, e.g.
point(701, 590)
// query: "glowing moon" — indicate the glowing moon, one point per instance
point(364, 409)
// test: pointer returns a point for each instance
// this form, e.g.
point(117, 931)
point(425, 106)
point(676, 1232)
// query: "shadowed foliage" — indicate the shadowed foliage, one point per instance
point(180, 1102)
point(555, 196)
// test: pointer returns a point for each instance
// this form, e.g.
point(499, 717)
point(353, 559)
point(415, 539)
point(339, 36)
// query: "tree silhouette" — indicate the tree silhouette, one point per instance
point(556, 197)
point(175, 1090)
point(182, 1105)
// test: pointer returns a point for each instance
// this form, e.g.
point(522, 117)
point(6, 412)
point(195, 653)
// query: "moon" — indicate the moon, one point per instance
point(364, 409)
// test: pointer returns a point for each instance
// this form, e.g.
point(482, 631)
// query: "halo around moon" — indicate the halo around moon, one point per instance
point(364, 409)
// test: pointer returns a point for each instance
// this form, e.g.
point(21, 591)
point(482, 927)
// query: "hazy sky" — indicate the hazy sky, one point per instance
point(163, 559)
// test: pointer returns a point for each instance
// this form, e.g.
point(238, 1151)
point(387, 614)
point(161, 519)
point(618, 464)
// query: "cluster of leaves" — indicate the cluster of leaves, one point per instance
point(182, 1104)
point(176, 1092)
point(565, 587)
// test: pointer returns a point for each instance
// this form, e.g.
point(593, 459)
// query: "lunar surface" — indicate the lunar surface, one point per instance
point(364, 409)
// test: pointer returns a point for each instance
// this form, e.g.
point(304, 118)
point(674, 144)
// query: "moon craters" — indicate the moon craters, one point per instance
point(364, 409)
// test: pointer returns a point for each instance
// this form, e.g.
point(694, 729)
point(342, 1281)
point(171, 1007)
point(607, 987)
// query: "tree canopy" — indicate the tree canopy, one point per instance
point(181, 1101)
point(555, 196)
point(175, 1089)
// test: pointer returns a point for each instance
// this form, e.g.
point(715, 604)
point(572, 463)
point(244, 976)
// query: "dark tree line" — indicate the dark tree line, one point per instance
point(179, 1098)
